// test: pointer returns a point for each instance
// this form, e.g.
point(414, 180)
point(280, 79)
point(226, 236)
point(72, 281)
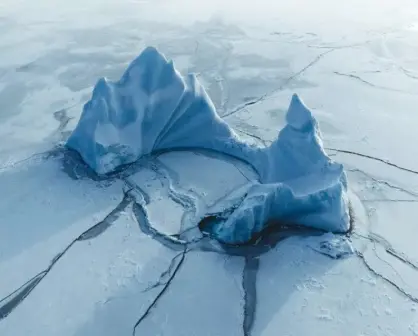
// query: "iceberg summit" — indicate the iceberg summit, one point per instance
point(153, 108)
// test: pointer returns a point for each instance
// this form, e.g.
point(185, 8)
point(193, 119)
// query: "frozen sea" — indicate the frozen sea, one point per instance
point(75, 255)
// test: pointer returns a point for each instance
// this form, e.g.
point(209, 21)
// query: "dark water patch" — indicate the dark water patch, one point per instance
point(249, 285)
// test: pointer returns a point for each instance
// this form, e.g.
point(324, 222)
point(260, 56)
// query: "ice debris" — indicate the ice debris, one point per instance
point(152, 108)
point(333, 246)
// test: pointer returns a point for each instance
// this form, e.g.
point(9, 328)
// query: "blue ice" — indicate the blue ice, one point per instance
point(153, 108)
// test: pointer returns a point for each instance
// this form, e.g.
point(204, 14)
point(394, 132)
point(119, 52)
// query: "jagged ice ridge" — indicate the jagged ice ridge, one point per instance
point(153, 108)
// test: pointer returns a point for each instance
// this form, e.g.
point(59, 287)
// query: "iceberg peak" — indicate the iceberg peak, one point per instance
point(298, 115)
point(150, 56)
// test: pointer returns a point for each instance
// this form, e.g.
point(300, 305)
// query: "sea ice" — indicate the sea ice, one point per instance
point(152, 108)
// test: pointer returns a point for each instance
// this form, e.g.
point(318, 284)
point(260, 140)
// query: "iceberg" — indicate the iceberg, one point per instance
point(152, 108)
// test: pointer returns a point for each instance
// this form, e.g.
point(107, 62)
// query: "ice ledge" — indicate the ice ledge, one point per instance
point(153, 108)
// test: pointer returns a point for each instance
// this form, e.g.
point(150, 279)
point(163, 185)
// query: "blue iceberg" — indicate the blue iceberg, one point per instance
point(152, 108)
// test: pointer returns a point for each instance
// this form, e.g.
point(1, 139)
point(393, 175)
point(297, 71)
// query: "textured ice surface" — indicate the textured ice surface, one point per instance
point(334, 246)
point(153, 109)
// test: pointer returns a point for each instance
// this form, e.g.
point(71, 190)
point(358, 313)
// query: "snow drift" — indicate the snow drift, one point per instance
point(153, 108)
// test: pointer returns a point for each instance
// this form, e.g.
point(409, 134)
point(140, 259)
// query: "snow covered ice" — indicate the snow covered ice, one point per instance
point(154, 109)
point(78, 257)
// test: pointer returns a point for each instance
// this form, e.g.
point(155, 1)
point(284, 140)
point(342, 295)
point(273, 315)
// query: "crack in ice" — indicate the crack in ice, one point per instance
point(281, 87)
point(367, 156)
point(385, 200)
point(14, 299)
point(387, 246)
point(350, 152)
point(161, 293)
point(387, 263)
point(162, 281)
point(249, 285)
point(390, 282)
point(265, 143)
point(386, 183)
point(358, 78)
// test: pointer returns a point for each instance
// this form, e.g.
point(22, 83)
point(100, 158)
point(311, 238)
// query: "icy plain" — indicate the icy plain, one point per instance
point(119, 256)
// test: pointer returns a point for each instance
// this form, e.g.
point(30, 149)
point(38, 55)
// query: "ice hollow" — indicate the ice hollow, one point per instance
point(153, 108)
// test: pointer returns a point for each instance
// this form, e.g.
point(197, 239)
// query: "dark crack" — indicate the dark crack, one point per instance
point(254, 136)
point(38, 157)
point(13, 300)
point(358, 78)
point(75, 168)
point(187, 199)
point(390, 282)
point(249, 285)
point(401, 257)
point(161, 293)
point(386, 183)
point(107, 222)
point(372, 158)
point(336, 47)
point(260, 139)
point(387, 263)
point(242, 173)
point(142, 219)
point(406, 72)
point(386, 245)
point(134, 187)
point(385, 200)
point(180, 234)
point(281, 88)
point(165, 276)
